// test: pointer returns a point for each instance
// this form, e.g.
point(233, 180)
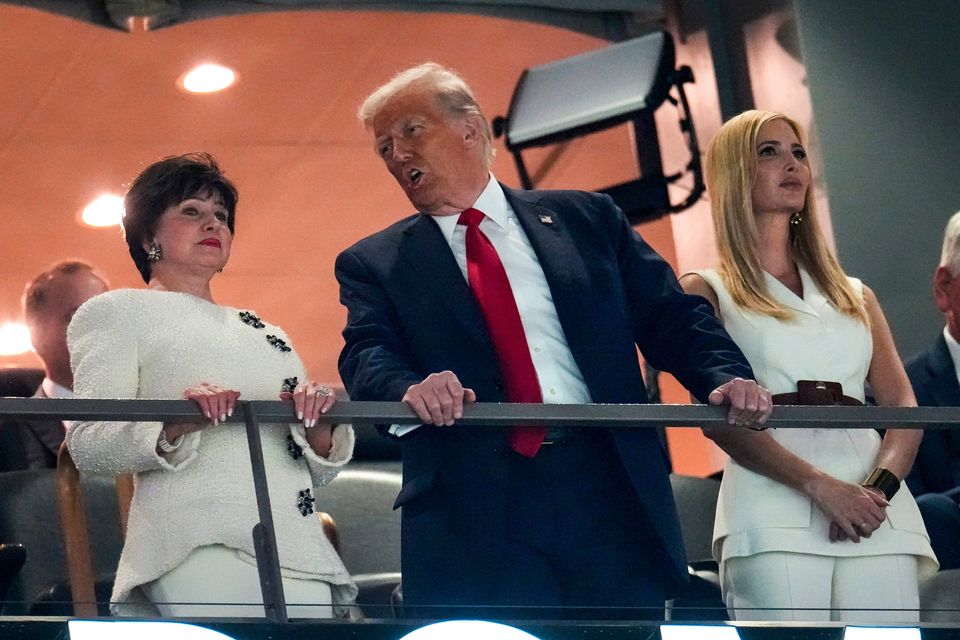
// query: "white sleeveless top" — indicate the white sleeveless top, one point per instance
point(756, 514)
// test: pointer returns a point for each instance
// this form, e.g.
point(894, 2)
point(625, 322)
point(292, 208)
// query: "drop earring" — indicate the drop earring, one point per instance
point(155, 254)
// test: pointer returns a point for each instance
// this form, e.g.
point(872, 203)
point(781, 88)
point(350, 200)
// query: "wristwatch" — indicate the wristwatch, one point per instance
point(168, 447)
point(884, 480)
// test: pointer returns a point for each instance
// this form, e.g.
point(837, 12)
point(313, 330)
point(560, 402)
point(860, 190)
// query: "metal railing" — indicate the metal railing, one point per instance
point(619, 416)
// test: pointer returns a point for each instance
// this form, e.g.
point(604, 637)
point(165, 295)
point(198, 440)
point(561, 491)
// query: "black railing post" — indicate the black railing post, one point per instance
point(264, 534)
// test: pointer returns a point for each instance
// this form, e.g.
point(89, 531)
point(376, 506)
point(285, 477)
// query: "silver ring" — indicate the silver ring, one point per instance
point(324, 392)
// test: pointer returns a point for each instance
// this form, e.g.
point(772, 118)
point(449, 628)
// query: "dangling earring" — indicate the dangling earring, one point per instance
point(155, 253)
point(796, 218)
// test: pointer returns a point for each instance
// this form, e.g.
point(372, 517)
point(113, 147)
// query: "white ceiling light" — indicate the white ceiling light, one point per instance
point(881, 633)
point(104, 211)
point(208, 78)
point(14, 339)
point(145, 630)
point(468, 630)
point(698, 632)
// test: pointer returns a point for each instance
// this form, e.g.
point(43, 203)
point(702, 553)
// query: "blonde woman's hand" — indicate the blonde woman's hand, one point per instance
point(855, 512)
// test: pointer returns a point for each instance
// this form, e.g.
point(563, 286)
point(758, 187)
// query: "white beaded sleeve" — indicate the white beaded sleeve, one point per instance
point(104, 353)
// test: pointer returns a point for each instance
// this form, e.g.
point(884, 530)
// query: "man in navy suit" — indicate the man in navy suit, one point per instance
point(935, 478)
point(584, 524)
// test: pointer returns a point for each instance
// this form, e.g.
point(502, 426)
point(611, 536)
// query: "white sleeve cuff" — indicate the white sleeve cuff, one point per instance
point(183, 454)
point(402, 430)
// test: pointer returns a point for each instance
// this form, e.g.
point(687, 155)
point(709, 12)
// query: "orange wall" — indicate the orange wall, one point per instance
point(309, 182)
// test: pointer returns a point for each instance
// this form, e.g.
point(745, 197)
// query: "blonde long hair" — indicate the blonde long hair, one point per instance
point(731, 171)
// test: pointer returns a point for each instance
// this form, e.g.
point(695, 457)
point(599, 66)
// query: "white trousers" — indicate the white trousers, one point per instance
point(802, 587)
point(213, 582)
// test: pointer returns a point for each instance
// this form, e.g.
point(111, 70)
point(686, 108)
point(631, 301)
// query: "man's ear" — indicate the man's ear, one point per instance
point(942, 278)
point(472, 129)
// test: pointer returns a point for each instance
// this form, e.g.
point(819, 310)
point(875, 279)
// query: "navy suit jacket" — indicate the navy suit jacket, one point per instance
point(411, 313)
point(27, 444)
point(934, 380)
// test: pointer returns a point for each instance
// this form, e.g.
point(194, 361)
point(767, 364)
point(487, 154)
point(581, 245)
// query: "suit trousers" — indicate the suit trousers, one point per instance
point(779, 585)
point(214, 582)
point(577, 546)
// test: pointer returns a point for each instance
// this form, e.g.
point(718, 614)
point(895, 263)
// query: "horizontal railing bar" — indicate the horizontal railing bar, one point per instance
point(496, 415)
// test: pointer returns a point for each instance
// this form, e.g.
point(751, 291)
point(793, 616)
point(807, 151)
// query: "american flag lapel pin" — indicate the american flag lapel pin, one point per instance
point(545, 219)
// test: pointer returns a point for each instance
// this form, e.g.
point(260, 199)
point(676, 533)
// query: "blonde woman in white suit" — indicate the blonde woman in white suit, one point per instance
point(812, 524)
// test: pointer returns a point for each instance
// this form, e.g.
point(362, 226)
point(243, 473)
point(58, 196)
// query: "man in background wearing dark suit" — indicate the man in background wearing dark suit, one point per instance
point(495, 295)
point(49, 302)
point(934, 374)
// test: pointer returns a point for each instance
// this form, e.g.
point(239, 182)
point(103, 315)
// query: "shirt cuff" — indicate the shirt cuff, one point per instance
point(399, 430)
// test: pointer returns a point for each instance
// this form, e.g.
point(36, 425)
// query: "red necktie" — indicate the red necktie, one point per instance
point(490, 286)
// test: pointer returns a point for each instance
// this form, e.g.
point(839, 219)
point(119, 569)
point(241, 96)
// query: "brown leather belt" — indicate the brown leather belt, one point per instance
point(816, 392)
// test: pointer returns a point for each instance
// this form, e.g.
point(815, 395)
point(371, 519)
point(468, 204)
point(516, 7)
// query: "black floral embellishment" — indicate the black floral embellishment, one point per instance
point(295, 450)
point(305, 502)
point(278, 343)
point(248, 318)
point(289, 384)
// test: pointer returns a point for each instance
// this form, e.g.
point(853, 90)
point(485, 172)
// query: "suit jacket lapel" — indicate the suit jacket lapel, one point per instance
point(427, 250)
point(946, 389)
point(565, 271)
point(788, 298)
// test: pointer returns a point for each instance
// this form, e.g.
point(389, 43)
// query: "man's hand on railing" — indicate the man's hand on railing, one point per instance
point(438, 400)
point(750, 404)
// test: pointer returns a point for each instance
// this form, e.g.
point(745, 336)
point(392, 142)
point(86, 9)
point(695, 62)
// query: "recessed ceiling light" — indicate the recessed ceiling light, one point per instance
point(208, 78)
point(14, 339)
point(104, 211)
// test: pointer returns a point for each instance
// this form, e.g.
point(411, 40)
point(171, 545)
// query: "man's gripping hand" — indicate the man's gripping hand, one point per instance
point(438, 400)
point(750, 404)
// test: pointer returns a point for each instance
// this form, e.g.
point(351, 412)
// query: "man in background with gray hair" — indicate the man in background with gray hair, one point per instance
point(934, 374)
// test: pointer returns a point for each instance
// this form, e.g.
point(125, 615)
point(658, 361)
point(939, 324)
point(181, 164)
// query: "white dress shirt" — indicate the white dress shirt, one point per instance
point(560, 379)
point(53, 390)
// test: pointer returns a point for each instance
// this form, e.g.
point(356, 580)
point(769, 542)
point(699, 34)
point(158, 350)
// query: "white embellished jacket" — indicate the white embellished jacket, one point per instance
point(134, 343)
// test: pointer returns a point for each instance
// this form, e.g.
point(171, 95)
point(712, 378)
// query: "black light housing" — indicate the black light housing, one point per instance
point(590, 92)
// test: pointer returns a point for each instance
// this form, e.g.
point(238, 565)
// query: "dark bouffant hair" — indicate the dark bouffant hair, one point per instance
point(164, 184)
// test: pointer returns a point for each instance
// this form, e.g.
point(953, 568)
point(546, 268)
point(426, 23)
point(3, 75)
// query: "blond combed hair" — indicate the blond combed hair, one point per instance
point(731, 172)
point(451, 92)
